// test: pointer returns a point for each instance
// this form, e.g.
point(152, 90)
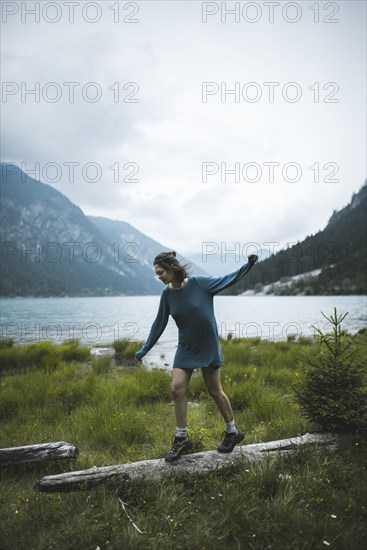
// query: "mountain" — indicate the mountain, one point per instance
point(333, 261)
point(50, 248)
point(221, 262)
point(131, 242)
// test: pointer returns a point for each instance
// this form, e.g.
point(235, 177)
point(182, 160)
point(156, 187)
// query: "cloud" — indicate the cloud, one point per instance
point(170, 132)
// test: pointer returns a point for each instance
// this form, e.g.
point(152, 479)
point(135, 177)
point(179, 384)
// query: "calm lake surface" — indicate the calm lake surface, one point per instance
point(102, 320)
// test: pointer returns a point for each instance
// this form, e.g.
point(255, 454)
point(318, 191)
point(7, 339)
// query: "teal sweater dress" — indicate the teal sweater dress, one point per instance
point(192, 309)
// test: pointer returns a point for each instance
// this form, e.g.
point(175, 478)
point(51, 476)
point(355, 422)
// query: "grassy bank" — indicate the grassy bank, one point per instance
point(312, 499)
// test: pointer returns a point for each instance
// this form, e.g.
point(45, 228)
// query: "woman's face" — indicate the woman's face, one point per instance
point(164, 275)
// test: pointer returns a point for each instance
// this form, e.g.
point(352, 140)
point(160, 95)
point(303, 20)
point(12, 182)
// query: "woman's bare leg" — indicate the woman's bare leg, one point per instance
point(180, 382)
point(212, 381)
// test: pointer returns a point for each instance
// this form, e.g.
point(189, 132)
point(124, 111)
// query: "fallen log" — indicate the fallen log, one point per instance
point(37, 453)
point(196, 463)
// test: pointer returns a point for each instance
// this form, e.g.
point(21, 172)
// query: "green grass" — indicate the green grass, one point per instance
point(311, 499)
point(126, 349)
point(302, 501)
point(45, 355)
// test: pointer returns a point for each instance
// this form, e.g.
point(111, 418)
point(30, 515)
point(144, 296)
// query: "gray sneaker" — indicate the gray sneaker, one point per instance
point(230, 441)
point(180, 445)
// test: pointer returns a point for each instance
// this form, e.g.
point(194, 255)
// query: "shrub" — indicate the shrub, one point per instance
point(102, 365)
point(120, 345)
point(41, 354)
point(126, 348)
point(305, 340)
point(10, 358)
point(44, 355)
point(235, 351)
point(71, 351)
point(131, 349)
point(6, 343)
point(331, 390)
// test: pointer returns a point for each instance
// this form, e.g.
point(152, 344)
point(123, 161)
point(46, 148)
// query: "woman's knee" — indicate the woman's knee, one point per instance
point(178, 389)
point(212, 382)
point(180, 382)
point(215, 392)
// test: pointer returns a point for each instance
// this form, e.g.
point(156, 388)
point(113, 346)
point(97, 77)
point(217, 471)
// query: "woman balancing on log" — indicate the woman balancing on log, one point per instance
point(190, 302)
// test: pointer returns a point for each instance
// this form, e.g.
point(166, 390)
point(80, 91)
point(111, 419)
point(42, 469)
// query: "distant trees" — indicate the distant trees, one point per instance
point(340, 251)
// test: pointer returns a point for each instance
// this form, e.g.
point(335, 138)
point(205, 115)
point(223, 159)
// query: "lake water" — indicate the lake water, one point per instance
point(102, 320)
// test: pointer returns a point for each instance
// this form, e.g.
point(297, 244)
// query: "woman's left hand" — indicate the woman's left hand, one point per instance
point(253, 258)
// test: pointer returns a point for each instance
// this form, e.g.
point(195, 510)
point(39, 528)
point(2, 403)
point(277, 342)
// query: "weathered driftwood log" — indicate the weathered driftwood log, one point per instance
point(196, 463)
point(37, 453)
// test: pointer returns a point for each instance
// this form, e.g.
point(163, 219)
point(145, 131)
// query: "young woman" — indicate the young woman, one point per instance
point(190, 302)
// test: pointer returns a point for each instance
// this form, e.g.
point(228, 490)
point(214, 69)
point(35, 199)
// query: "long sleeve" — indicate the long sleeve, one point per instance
point(157, 329)
point(213, 285)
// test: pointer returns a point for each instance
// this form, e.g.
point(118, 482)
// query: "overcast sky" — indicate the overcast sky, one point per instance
point(164, 127)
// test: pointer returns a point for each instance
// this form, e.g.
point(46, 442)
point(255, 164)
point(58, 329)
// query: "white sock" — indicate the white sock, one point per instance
point(181, 432)
point(231, 427)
